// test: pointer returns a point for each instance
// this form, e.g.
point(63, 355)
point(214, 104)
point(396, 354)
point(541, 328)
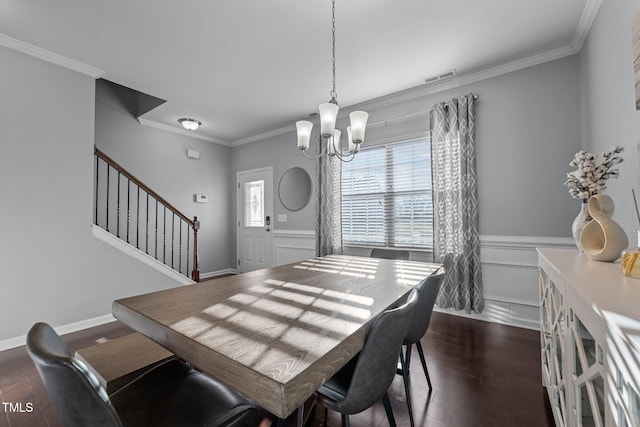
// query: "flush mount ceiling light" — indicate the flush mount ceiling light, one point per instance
point(190, 124)
point(329, 136)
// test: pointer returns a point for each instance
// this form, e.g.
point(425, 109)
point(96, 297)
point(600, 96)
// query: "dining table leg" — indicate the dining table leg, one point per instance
point(299, 418)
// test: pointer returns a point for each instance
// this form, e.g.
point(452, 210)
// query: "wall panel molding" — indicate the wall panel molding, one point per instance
point(510, 278)
point(293, 245)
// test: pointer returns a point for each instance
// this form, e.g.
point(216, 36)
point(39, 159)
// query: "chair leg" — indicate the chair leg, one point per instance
point(388, 410)
point(408, 348)
point(326, 416)
point(424, 363)
point(345, 421)
point(407, 382)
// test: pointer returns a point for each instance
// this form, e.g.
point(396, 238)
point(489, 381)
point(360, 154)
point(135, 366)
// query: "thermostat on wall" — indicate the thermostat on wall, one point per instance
point(193, 154)
point(200, 198)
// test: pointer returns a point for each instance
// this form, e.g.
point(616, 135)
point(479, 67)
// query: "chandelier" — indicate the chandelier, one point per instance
point(329, 138)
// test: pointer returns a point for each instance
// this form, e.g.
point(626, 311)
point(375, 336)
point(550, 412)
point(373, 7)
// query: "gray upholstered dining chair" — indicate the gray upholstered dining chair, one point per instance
point(427, 293)
point(170, 394)
point(389, 253)
point(367, 376)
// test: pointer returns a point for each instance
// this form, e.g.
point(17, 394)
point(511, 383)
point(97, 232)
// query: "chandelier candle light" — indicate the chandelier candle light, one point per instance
point(328, 115)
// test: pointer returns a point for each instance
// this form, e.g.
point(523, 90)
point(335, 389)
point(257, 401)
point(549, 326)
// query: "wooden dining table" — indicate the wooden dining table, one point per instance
point(275, 335)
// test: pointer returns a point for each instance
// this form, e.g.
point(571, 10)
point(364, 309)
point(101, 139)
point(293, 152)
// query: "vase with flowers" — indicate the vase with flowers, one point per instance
point(589, 178)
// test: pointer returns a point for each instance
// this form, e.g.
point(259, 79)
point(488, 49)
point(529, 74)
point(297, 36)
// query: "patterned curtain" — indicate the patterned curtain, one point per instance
point(328, 206)
point(455, 203)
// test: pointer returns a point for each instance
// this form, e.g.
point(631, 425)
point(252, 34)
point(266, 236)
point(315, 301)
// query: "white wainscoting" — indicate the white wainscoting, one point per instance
point(509, 274)
point(510, 279)
point(293, 246)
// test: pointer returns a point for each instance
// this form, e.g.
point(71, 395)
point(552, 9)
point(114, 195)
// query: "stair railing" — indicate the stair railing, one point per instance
point(130, 210)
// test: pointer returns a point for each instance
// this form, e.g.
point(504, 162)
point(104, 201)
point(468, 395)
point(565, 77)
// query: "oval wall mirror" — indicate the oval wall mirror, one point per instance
point(294, 189)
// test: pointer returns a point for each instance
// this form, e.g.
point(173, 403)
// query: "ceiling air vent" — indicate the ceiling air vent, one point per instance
point(440, 77)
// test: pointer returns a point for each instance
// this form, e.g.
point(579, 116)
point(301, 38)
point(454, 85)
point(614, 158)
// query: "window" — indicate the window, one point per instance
point(254, 204)
point(386, 196)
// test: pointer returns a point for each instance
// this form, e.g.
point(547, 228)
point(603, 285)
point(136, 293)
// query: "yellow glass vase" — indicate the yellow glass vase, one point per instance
point(631, 260)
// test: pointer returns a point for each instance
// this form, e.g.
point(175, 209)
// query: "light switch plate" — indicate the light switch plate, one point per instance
point(282, 217)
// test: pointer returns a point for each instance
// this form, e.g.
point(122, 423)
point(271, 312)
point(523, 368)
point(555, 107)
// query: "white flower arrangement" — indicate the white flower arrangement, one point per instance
point(592, 172)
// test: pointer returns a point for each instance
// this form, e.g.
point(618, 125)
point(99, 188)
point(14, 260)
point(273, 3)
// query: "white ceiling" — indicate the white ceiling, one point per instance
point(247, 67)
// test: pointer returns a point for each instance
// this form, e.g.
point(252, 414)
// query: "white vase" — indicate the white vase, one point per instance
point(602, 239)
point(578, 224)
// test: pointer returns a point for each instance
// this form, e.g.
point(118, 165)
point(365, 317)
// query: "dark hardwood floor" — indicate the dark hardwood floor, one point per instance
point(483, 374)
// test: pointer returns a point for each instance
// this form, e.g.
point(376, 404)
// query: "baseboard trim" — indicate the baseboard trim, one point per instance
point(218, 273)
point(19, 341)
point(492, 313)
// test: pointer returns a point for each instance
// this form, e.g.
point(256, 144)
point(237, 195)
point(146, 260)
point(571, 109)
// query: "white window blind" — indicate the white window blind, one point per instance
point(386, 196)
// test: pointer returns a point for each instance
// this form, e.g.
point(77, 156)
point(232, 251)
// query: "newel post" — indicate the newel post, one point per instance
point(195, 274)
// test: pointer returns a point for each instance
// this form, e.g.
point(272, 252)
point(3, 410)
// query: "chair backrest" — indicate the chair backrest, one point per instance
point(389, 254)
point(377, 362)
point(427, 293)
point(76, 393)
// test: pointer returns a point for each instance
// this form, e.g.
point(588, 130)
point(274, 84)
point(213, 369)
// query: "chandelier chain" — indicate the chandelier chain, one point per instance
point(328, 139)
point(333, 93)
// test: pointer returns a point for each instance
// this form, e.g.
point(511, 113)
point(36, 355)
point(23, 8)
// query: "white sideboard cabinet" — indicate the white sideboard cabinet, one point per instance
point(590, 340)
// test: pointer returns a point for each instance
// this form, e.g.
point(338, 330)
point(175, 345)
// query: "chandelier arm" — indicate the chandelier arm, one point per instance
point(319, 150)
point(344, 157)
point(314, 157)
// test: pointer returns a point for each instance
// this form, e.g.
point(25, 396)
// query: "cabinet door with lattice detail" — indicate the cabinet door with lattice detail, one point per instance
point(588, 372)
point(553, 329)
point(623, 376)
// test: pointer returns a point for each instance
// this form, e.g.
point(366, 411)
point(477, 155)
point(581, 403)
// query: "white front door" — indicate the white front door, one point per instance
point(255, 219)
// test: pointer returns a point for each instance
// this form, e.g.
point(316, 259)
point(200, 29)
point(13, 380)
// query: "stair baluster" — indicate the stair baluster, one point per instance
point(105, 216)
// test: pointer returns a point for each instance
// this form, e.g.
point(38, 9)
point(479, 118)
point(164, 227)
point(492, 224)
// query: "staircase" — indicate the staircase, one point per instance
point(134, 213)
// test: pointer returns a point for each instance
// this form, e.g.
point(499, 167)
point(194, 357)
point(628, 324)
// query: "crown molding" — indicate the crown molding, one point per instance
point(428, 89)
point(582, 31)
point(192, 134)
point(49, 56)
point(586, 21)
point(264, 135)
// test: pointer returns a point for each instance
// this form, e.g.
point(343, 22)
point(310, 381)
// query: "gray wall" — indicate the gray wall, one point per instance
point(608, 113)
point(53, 270)
point(281, 153)
point(527, 132)
point(159, 159)
point(530, 123)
